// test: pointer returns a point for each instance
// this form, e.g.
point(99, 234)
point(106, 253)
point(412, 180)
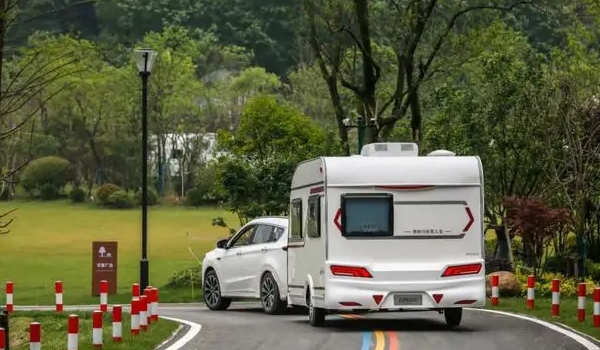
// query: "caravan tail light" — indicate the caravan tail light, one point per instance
point(350, 271)
point(461, 270)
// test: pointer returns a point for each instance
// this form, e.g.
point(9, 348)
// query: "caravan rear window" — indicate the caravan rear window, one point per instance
point(366, 215)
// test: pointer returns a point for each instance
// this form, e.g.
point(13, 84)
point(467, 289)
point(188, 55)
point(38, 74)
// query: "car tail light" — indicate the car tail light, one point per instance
point(461, 270)
point(350, 271)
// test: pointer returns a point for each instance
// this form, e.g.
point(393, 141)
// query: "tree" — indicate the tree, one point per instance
point(419, 40)
point(254, 180)
point(498, 109)
point(536, 224)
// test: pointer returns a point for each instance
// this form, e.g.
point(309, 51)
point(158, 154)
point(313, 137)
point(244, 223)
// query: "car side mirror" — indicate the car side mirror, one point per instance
point(222, 244)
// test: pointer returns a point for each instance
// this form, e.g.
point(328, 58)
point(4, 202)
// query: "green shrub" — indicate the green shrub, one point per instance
point(190, 276)
point(48, 192)
point(77, 195)
point(105, 191)
point(152, 197)
point(120, 200)
point(194, 197)
point(47, 170)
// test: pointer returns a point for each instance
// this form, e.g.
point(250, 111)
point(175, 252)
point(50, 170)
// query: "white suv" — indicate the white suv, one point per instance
point(251, 264)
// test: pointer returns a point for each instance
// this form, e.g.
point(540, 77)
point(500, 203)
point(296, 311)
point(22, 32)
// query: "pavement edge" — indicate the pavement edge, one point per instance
point(191, 329)
point(557, 327)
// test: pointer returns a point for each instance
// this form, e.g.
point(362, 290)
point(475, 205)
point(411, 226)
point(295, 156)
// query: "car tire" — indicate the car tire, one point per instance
point(211, 289)
point(316, 315)
point(453, 317)
point(270, 298)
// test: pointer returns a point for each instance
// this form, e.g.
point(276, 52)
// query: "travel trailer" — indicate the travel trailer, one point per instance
point(387, 230)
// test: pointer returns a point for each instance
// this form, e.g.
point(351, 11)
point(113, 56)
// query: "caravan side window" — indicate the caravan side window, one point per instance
point(313, 224)
point(296, 219)
point(365, 215)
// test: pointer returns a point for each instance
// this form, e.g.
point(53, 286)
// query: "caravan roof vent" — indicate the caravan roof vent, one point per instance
point(441, 153)
point(390, 149)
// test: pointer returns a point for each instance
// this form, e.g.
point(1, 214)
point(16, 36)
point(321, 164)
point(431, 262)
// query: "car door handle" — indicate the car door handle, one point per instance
point(238, 253)
point(264, 249)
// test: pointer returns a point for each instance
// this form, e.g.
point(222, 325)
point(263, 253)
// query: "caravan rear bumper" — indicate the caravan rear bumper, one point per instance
point(361, 294)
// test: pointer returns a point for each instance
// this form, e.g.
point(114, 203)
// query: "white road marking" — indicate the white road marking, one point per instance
point(194, 330)
point(566, 332)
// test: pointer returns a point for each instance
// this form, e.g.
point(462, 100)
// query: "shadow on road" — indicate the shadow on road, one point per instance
point(391, 324)
point(258, 310)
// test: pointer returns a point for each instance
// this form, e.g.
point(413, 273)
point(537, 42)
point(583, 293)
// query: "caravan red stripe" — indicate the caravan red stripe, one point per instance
point(317, 189)
point(405, 187)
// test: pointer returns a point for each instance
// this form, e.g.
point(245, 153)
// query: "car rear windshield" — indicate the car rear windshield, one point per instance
point(367, 215)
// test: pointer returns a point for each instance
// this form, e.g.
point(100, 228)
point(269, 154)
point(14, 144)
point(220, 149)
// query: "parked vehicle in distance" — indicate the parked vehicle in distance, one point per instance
point(250, 264)
point(387, 230)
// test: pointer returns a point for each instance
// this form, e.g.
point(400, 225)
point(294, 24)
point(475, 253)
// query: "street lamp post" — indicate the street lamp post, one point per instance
point(144, 59)
point(360, 126)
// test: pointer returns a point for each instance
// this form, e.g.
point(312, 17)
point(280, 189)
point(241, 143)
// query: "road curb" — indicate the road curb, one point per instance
point(583, 339)
point(192, 332)
point(189, 328)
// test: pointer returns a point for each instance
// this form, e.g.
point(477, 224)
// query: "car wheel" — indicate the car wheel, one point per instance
point(453, 317)
point(316, 315)
point(212, 292)
point(270, 298)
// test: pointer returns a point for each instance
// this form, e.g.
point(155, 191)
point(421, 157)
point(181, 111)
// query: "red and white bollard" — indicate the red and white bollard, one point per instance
point(104, 295)
point(35, 336)
point(135, 290)
point(73, 332)
point(154, 304)
point(143, 313)
point(495, 289)
point(597, 307)
point(117, 323)
point(2, 338)
point(9, 296)
point(58, 296)
point(581, 302)
point(555, 297)
point(97, 329)
point(148, 294)
point(531, 291)
point(135, 316)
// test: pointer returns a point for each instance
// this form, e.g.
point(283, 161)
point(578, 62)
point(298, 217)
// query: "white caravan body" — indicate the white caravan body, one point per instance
point(387, 230)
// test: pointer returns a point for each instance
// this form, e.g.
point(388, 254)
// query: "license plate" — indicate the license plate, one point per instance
point(408, 299)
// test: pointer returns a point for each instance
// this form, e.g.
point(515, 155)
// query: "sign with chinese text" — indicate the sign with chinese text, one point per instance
point(104, 266)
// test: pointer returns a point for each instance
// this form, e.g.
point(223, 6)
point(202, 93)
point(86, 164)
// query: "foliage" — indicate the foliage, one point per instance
point(535, 222)
point(77, 195)
point(48, 192)
point(152, 197)
point(120, 199)
point(191, 276)
point(543, 287)
point(194, 197)
point(46, 171)
point(105, 191)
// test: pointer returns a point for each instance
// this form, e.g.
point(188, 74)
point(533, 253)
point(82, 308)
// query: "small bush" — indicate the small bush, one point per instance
point(77, 195)
point(194, 197)
point(120, 200)
point(105, 191)
point(48, 192)
point(152, 197)
point(47, 170)
point(543, 284)
point(188, 277)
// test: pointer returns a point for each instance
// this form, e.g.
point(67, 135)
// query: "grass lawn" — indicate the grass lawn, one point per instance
point(54, 331)
point(53, 241)
point(568, 312)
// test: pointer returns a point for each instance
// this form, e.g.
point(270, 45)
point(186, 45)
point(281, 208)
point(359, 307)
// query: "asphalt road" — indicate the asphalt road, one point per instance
point(244, 326)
